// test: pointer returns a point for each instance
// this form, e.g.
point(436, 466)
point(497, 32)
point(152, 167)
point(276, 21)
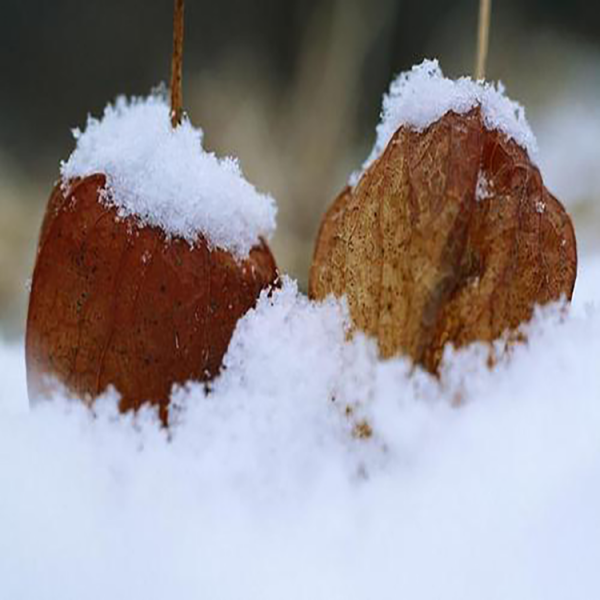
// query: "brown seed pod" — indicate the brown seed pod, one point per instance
point(450, 236)
point(115, 304)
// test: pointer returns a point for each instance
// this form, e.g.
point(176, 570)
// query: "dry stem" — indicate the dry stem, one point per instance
point(485, 9)
point(177, 64)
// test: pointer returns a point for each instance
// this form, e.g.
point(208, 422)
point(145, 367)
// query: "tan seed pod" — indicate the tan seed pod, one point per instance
point(449, 237)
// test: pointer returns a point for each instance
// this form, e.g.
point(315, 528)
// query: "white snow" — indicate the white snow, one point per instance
point(421, 96)
point(482, 189)
point(164, 177)
point(261, 491)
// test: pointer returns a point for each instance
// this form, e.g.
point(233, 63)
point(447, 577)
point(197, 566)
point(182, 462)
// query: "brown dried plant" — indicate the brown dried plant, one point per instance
point(113, 304)
point(449, 237)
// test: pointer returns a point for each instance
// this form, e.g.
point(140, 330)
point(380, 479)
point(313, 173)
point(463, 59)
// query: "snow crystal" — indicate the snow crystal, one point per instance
point(164, 178)
point(260, 489)
point(482, 190)
point(421, 96)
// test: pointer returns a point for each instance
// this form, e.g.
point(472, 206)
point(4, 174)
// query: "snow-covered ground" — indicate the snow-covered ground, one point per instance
point(260, 490)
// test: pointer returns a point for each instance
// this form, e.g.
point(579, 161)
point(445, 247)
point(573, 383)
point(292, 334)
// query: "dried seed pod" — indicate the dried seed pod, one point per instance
point(449, 236)
point(115, 304)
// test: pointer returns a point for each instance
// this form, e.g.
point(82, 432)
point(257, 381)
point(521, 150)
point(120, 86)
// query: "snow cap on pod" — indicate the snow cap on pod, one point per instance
point(164, 178)
point(421, 96)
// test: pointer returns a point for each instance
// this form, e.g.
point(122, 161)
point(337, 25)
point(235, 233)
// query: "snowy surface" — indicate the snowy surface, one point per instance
point(261, 491)
point(421, 96)
point(164, 177)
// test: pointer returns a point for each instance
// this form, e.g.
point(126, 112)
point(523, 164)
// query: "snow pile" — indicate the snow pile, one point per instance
point(421, 96)
point(163, 177)
point(260, 490)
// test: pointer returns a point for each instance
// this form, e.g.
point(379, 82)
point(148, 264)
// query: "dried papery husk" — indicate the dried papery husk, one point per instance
point(113, 303)
point(449, 237)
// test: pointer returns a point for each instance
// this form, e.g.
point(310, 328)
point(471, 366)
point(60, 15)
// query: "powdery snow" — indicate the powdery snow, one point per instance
point(164, 177)
point(421, 96)
point(261, 491)
point(482, 190)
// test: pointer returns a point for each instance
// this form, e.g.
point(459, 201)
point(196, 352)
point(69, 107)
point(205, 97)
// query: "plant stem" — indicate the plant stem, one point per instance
point(485, 9)
point(177, 64)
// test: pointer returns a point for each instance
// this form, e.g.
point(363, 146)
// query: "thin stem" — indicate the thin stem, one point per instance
point(177, 65)
point(483, 35)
